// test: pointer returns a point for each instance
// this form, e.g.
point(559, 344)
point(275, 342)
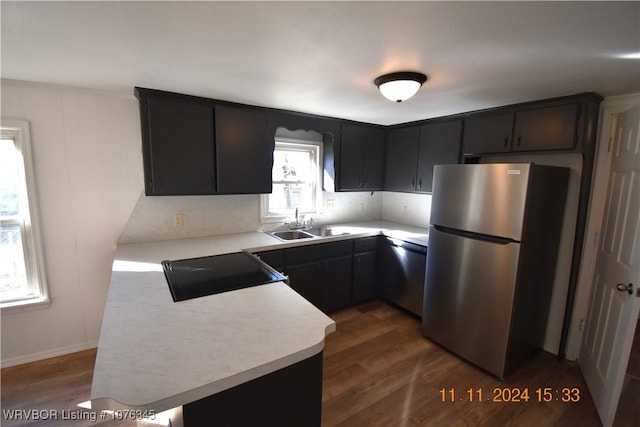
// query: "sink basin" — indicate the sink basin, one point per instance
point(325, 231)
point(291, 235)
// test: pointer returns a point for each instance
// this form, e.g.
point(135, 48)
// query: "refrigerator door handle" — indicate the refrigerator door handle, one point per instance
point(476, 236)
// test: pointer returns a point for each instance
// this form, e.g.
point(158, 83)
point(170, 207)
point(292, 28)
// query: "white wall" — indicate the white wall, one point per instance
point(152, 218)
point(88, 173)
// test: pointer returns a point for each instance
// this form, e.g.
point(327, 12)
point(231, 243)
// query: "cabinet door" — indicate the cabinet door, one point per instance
point(351, 157)
point(361, 158)
point(244, 151)
point(364, 276)
point(306, 279)
point(274, 258)
point(487, 134)
point(178, 146)
point(336, 283)
point(402, 162)
point(551, 128)
point(439, 145)
point(373, 169)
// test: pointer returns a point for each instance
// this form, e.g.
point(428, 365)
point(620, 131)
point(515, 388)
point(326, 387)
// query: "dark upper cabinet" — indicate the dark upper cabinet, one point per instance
point(439, 145)
point(550, 128)
point(177, 146)
point(413, 151)
point(361, 158)
point(401, 159)
point(244, 151)
point(487, 133)
point(196, 146)
point(542, 128)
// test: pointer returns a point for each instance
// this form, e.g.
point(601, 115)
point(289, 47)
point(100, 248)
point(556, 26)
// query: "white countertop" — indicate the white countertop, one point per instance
point(156, 354)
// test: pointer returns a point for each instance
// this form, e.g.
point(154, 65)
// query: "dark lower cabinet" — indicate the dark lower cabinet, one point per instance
point(326, 284)
point(288, 397)
point(365, 269)
point(364, 276)
point(306, 279)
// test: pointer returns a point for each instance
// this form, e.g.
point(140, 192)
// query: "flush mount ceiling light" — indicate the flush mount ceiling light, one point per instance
point(400, 86)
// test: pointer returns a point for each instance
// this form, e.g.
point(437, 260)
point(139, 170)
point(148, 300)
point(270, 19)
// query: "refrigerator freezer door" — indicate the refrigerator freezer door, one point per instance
point(485, 198)
point(468, 299)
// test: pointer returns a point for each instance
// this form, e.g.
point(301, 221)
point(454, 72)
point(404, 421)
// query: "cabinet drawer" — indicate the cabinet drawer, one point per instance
point(365, 244)
point(318, 252)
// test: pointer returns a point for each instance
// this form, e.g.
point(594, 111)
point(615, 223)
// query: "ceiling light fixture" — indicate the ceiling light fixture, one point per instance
point(400, 86)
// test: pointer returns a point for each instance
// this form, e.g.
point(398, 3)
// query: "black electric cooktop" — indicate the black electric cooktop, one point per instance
point(198, 277)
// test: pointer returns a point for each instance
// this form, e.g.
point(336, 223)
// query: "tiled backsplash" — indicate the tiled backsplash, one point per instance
point(152, 219)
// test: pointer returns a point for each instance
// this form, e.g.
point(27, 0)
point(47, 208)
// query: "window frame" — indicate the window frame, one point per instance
point(270, 217)
point(18, 131)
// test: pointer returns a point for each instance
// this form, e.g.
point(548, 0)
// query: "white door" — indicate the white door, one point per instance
point(615, 295)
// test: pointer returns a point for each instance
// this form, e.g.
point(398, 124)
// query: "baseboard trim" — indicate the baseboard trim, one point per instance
point(20, 360)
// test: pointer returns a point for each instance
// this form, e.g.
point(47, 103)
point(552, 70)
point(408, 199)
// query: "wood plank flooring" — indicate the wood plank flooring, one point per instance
point(378, 371)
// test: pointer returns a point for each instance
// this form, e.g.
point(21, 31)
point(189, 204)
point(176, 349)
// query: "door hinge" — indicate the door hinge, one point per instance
point(610, 144)
point(638, 292)
point(581, 327)
point(596, 238)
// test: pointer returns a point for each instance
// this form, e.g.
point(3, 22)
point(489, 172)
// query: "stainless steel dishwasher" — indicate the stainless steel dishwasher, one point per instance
point(403, 270)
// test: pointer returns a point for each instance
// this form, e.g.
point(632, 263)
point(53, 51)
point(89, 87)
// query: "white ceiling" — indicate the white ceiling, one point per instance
point(322, 57)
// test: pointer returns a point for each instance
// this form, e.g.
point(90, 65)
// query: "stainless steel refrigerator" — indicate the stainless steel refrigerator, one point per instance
point(493, 244)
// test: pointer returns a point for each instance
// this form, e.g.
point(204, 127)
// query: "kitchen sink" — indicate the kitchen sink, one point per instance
point(291, 235)
point(325, 231)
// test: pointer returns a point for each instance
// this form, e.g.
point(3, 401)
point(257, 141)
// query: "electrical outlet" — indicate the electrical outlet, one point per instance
point(331, 203)
point(178, 220)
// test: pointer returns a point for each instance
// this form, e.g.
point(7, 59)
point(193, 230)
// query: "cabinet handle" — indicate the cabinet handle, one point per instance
point(413, 183)
point(420, 184)
point(519, 140)
point(506, 141)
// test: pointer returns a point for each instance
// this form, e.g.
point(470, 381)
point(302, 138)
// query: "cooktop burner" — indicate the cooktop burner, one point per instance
point(198, 277)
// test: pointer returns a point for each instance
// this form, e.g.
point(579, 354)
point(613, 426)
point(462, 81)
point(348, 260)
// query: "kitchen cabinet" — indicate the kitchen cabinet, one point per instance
point(403, 267)
point(361, 158)
point(364, 269)
point(197, 146)
point(413, 151)
point(401, 164)
point(274, 258)
point(244, 151)
point(322, 273)
point(543, 128)
point(439, 145)
point(177, 145)
point(488, 133)
point(550, 128)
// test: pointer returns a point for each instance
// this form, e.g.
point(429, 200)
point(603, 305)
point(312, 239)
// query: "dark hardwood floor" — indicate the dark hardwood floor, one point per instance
point(378, 371)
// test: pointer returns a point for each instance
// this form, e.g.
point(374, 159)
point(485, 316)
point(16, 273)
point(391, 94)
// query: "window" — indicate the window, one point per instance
point(296, 180)
point(21, 278)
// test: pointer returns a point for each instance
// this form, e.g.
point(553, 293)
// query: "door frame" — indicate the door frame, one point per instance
point(609, 108)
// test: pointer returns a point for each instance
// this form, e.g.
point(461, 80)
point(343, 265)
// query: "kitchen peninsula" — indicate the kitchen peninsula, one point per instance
point(244, 353)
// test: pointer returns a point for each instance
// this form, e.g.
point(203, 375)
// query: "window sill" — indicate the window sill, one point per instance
point(25, 305)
